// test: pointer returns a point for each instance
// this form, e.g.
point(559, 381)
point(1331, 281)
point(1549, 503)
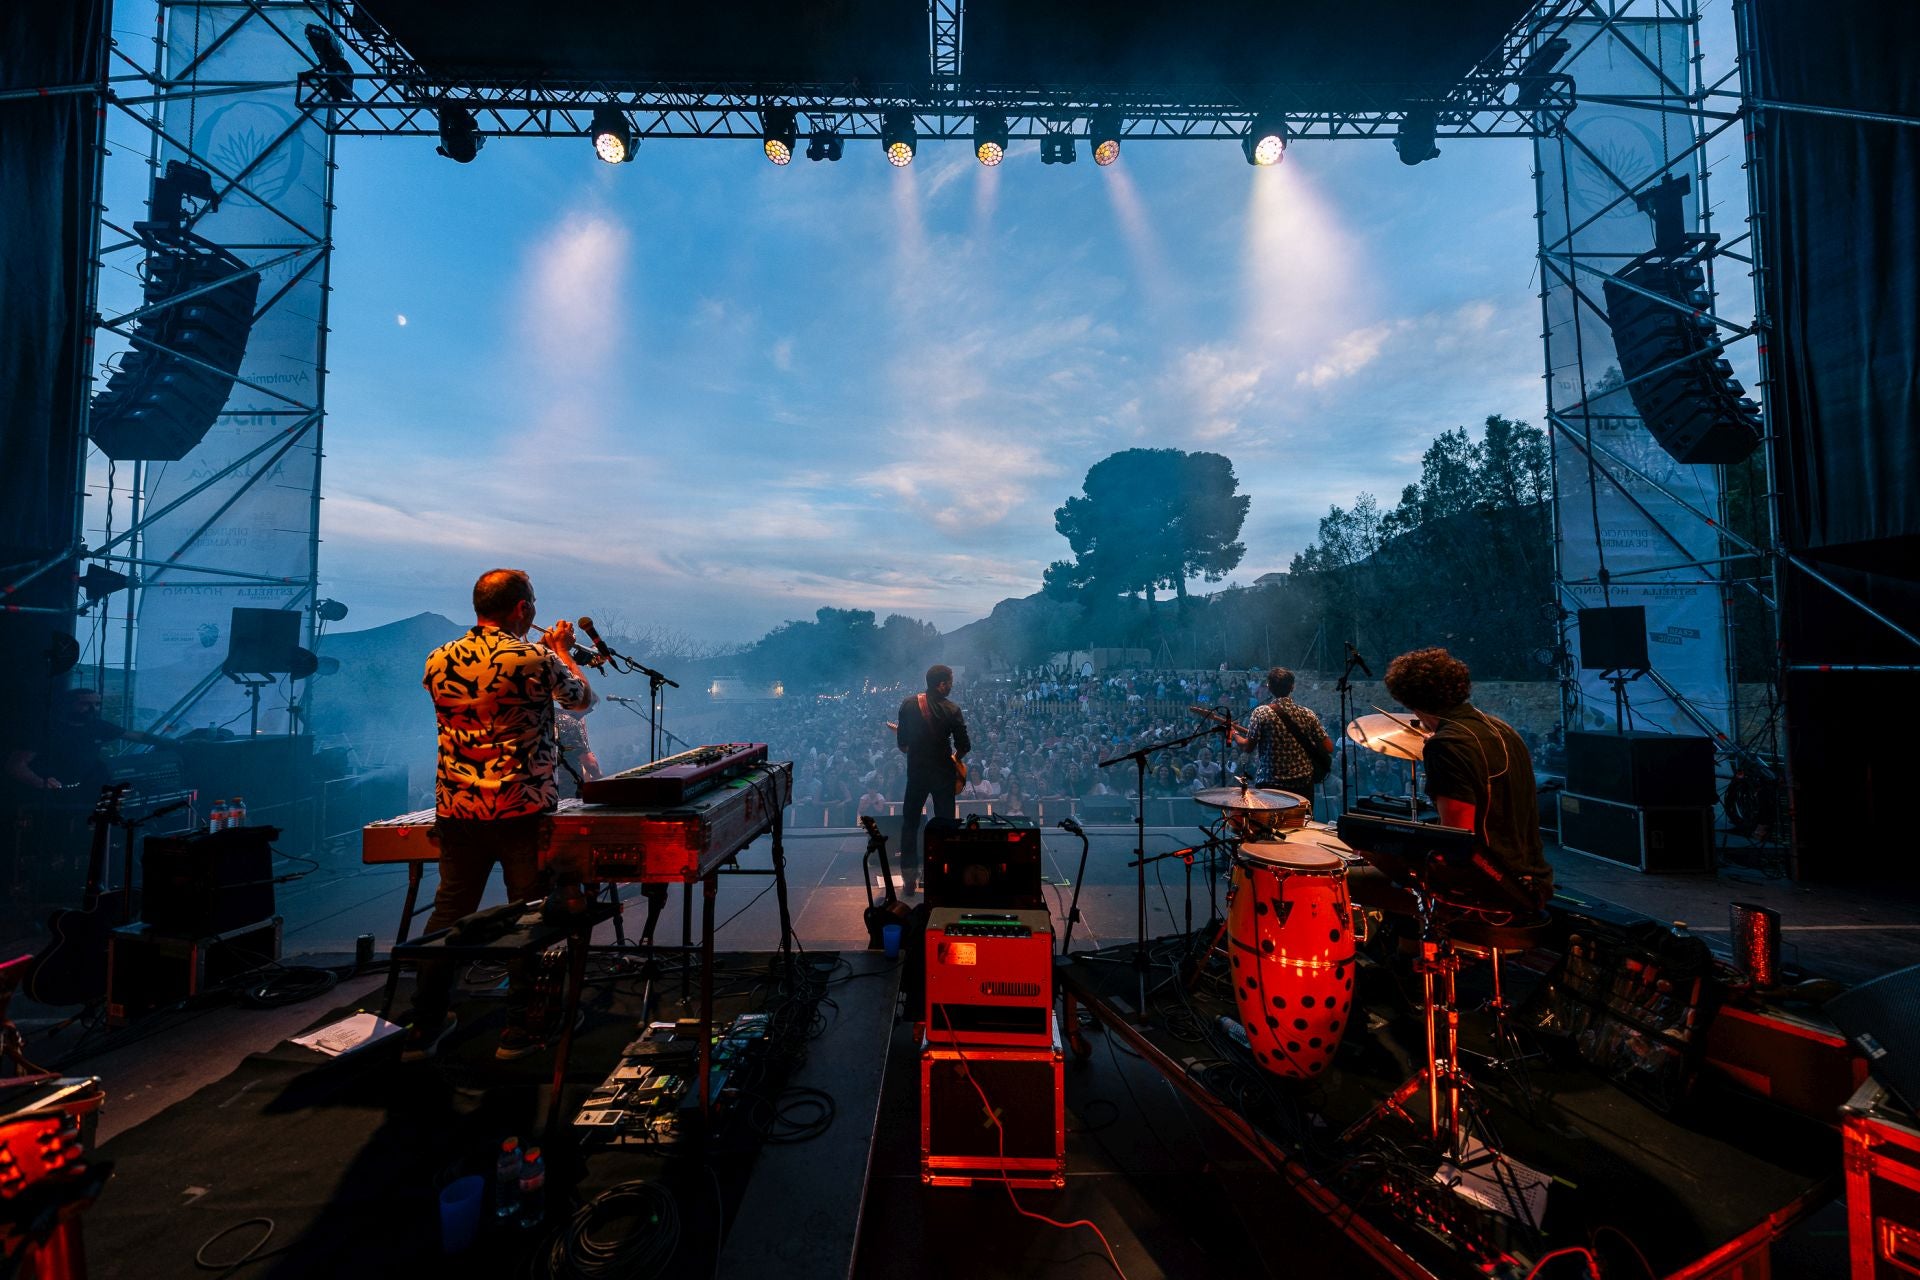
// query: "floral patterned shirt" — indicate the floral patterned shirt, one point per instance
point(494, 696)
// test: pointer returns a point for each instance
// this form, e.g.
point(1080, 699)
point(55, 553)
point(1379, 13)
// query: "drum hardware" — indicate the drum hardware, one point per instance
point(1448, 878)
point(1139, 757)
point(1401, 739)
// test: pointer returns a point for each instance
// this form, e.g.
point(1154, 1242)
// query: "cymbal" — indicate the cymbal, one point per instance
point(1250, 799)
point(1389, 736)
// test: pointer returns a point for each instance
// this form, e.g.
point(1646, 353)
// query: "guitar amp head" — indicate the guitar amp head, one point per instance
point(989, 977)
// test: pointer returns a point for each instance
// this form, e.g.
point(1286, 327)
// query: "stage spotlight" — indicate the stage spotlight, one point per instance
point(1266, 141)
point(1103, 135)
point(460, 137)
point(989, 137)
point(1056, 148)
point(613, 139)
point(330, 611)
point(336, 72)
point(777, 132)
point(1536, 75)
point(824, 144)
point(898, 136)
point(1414, 142)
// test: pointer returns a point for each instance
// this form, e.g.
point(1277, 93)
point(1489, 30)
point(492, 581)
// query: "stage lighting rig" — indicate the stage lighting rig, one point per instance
point(1265, 143)
point(825, 144)
point(336, 73)
point(989, 137)
point(613, 139)
point(1103, 135)
point(899, 137)
point(777, 134)
point(1414, 143)
point(1056, 147)
point(460, 137)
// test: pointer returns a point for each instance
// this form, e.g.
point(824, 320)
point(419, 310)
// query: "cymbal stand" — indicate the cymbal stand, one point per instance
point(1345, 689)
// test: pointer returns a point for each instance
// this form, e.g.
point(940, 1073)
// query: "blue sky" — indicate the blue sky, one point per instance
point(700, 392)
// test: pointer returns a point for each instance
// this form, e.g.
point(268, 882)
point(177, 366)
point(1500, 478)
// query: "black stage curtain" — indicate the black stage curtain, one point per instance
point(1842, 228)
point(1841, 225)
point(49, 155)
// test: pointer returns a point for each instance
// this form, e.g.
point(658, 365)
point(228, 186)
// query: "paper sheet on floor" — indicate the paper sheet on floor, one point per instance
point(1498, 1183)
point(355, 1031)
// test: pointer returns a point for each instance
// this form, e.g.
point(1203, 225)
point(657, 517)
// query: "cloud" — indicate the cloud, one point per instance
point(783, 355)
point(1350, 354)
point(574, 293)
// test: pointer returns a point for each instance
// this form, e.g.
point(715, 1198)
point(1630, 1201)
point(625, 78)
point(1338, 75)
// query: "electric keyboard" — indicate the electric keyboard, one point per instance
point(674, 778)
point(652, 843)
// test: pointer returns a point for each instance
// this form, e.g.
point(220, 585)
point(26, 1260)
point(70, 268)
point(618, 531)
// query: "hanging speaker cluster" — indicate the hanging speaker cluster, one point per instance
point(1695, 408)
point(169, 389)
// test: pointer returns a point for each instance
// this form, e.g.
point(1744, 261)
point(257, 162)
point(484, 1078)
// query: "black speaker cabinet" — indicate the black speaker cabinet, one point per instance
point(1678, 838)
point(959, 1137)
point(1882, 1018)
point(209, 883)
point(1638, 767)
point(992, 863)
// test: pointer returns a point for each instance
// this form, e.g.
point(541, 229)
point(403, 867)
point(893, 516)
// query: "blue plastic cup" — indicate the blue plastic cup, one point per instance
point(460, 1213)
point(890, 939)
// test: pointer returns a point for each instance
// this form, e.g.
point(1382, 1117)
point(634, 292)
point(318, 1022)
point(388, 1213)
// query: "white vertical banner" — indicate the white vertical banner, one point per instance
point(1656, 552)
point(245, 539)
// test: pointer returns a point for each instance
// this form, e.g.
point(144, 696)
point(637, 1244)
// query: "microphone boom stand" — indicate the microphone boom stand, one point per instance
point(1139, 758)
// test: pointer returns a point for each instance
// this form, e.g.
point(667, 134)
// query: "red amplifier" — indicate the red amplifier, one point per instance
point(989, 977)
point(1016, 1133)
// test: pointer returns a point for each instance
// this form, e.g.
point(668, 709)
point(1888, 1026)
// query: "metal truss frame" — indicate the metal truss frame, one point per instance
point(396, 96)
point(140, 92)
point(1713, 108)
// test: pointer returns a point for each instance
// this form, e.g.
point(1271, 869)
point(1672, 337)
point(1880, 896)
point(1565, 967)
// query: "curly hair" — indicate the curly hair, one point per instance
point(1429, 680)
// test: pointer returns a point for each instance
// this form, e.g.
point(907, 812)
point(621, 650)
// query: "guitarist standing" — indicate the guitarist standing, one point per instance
point(933, 733)
point(1282, 734)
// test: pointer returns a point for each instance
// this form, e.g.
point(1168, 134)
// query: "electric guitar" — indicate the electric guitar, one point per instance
point(72, 967)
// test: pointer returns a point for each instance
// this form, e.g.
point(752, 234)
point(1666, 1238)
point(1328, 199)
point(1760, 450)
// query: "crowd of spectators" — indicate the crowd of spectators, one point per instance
point(1038, 739)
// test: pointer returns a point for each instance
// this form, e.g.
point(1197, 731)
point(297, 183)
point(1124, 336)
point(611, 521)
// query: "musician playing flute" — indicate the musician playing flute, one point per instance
point(494, 695)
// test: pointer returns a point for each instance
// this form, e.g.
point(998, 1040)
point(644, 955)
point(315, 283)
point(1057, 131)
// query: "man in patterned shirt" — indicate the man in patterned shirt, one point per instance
point(1277, 731)
point(494, 695)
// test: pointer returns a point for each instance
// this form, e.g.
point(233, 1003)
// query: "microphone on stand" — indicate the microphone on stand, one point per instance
point(1069, 824)
point(600, 646)
point(1353, 655)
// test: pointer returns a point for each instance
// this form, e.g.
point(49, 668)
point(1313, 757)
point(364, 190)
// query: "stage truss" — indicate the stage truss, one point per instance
point(1521, 90)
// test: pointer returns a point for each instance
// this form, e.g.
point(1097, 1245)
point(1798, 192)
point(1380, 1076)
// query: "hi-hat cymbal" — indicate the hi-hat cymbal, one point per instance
point(1248, 799)
point(1388, 735)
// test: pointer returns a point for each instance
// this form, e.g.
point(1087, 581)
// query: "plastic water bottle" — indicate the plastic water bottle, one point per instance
point(506, 1180)
point(237, 812)
point(533, 1189)
point(217, 820)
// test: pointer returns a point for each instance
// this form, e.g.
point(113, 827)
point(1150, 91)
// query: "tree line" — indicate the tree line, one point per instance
point(1462, 559)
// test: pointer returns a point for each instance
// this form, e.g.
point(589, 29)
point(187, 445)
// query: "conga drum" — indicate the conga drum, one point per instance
point(1290, 938)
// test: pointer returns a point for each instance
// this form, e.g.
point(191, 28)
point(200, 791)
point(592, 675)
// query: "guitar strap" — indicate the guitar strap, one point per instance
point(924, 713)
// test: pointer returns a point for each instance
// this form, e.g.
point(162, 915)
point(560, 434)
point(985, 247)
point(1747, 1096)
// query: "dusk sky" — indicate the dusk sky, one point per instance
point(702, 392)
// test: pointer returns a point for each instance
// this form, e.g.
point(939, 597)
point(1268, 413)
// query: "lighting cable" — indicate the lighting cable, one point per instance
point(1593, 1265)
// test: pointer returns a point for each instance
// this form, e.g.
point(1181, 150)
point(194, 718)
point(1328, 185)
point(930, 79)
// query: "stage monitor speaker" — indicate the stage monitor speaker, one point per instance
point(1646, 839)
point(1614, 639)
point(992, 863)
point(1639, 767)
point(210, 883)
point(264, 642)
point(1687, 395)
point(1882, 1019)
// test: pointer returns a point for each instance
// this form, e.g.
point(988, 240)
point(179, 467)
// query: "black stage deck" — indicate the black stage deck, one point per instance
point(1723, 1176)
point(345, 1156)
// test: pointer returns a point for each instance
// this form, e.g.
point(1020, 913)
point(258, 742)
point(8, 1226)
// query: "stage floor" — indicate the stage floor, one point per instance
point(1135, 1143)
